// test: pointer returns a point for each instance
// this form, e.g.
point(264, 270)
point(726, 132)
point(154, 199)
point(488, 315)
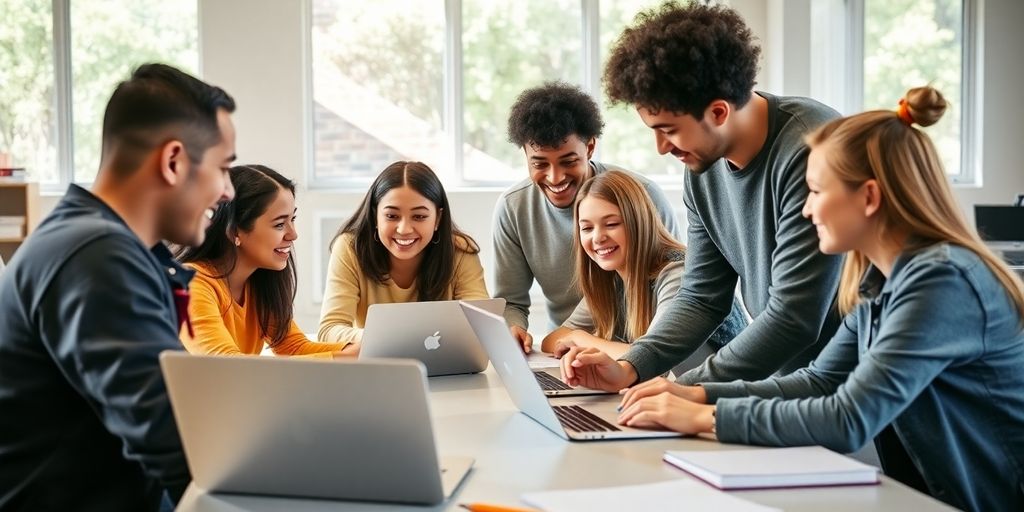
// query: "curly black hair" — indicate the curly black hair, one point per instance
point(547, 115)
point(681, 58)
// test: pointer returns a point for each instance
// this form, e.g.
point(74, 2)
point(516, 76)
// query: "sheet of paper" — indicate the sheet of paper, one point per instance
point(542, 360)
point(683, 494)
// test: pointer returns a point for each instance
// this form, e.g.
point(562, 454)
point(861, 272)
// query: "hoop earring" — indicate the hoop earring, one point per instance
point(375, 237)
point(238, 242)
point(437, 239)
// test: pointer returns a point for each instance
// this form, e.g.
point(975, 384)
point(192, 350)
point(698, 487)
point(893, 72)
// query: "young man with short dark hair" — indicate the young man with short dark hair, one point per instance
point(93, 297)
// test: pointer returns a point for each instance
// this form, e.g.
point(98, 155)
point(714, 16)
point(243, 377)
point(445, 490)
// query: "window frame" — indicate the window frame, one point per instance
point(452, 102)
point(970, 173)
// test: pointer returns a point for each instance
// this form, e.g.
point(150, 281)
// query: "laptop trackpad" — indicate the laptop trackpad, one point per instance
point(453, 471)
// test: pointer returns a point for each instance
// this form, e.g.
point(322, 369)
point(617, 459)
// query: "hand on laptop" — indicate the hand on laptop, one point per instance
point(350, 350)
point(524, 338)
point(666, 410)
point(592, 368)
point(659, 385)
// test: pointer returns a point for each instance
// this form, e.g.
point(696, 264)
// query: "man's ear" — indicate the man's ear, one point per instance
point(591, 144)
point(718, 112)
point(173, 162)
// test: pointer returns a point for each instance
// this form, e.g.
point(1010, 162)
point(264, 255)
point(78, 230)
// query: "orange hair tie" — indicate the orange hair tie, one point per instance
point(903, 112)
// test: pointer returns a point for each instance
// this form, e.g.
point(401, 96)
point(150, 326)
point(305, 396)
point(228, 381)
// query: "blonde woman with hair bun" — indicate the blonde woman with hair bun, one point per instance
point(929, 360)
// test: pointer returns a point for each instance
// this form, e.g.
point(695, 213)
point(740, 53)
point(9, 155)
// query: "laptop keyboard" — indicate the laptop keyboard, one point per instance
point(549, 382)
point(576, 418)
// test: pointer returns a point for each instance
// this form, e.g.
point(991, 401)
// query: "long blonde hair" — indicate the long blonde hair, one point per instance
point(916, 197)
point(649, 247)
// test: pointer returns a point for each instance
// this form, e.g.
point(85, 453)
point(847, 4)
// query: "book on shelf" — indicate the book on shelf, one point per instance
point(12, 173)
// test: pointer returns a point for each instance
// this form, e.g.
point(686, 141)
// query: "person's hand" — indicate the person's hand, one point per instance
point(524, 338)
point(562, 347)
point(668, 411)
point(589, 367)
point(348, 351)
point(660, 385)
point(575, 338)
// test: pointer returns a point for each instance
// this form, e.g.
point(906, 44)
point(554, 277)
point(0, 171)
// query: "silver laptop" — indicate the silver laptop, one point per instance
point(578, 419)
point(550, 378)
point(435, 333)
point(310, 428)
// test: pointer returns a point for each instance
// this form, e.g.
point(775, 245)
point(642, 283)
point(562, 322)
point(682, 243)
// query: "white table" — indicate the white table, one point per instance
point(473, 416)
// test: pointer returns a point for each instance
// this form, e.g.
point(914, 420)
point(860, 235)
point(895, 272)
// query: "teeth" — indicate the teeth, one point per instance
point(286, 250)
point(404, 243)
point(605, 251)
point(559, 189)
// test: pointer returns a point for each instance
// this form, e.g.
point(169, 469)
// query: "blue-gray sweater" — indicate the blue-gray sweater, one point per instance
point(937, 351)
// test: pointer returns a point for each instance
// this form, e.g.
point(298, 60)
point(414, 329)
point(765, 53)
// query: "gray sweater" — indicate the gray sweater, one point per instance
point(533, 240)
point(746, 224)
point(937, 352)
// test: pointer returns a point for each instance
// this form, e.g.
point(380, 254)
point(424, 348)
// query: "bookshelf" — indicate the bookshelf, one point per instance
point(17, 199)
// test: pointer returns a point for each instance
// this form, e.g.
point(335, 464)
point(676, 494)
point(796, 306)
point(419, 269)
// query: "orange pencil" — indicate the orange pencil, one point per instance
point(485, 507)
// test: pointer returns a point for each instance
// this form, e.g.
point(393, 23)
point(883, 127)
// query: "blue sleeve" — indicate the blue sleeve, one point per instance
point(933, 320)
point(106, 339)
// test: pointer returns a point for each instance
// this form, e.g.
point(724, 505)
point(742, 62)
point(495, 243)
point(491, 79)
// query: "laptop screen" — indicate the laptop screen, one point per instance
point(999, 223)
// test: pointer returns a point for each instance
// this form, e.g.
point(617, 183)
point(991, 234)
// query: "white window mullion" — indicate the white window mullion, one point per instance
point(62, 91)
point(971, 100)
point(855, 56)
point(453, 125)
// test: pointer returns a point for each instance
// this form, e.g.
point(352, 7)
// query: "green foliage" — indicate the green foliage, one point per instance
point(910, 43)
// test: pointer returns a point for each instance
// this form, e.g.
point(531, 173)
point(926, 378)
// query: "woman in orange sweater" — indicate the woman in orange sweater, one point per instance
point(244, 288)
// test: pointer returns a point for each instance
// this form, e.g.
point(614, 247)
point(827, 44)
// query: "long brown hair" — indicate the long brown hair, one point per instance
point(650, 247)
point(437, 269)
point(916, 196)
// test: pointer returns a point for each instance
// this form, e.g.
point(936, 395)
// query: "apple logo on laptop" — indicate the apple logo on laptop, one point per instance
point(432, 342)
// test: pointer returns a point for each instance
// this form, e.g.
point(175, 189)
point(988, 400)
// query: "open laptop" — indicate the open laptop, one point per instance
point(592, 418)
point(548, 373)
point(435, 333)
point(1002, 229)
point(358, 430)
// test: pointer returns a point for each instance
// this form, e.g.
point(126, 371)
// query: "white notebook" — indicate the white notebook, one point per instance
point(803, 466)
point(658, 497)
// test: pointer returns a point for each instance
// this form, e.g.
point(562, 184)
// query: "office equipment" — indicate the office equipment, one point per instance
point(1002, 229)
point(584, 420)
point(657, 497)
point(802, 466)
point(311, 428)
point(435, 333)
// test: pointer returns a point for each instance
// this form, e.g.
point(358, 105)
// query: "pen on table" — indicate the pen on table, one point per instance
point(485, 507)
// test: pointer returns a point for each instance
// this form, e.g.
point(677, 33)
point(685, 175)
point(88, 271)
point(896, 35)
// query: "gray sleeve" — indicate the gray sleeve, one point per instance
point(703, 301)
point(665, 210)
point(580, 318)
point(512, 274)
point(824, 375)
point(936, 321)
point(800, 295)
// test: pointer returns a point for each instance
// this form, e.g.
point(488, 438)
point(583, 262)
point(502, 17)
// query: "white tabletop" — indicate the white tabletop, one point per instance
point(473, 416)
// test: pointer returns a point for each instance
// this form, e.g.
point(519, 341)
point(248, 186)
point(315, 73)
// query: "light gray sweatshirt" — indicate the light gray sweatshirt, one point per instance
point(533, 239)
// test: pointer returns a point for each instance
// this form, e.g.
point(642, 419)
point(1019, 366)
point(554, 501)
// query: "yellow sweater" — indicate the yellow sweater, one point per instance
point(349, 292)
point(222, 326)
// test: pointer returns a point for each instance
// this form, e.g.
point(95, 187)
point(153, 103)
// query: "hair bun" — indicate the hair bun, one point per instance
point(925, 104)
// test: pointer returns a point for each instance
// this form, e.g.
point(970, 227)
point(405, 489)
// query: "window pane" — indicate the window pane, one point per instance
point(508, 47)
point(377, 86)
point(27, 108)
point(909, 43)
point(627, 141)
point(109, 39)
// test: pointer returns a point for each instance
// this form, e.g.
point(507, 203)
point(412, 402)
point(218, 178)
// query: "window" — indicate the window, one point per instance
point(908, 43)
point(434, 81)
point(61, 60)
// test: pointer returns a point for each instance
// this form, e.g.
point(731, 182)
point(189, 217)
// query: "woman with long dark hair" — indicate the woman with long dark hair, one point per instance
point(400, 246)
point(243, 293)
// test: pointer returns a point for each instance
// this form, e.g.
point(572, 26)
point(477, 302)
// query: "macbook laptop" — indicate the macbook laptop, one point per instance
point(548, 372)
point(590, 418)
point(435, 333)
point(358, 430)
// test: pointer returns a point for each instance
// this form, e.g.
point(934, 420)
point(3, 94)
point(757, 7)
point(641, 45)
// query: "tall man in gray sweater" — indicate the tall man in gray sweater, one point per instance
point(557, 125)
point(689, 71)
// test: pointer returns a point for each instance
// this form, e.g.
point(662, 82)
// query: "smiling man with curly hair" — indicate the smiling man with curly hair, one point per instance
point(689, 70)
